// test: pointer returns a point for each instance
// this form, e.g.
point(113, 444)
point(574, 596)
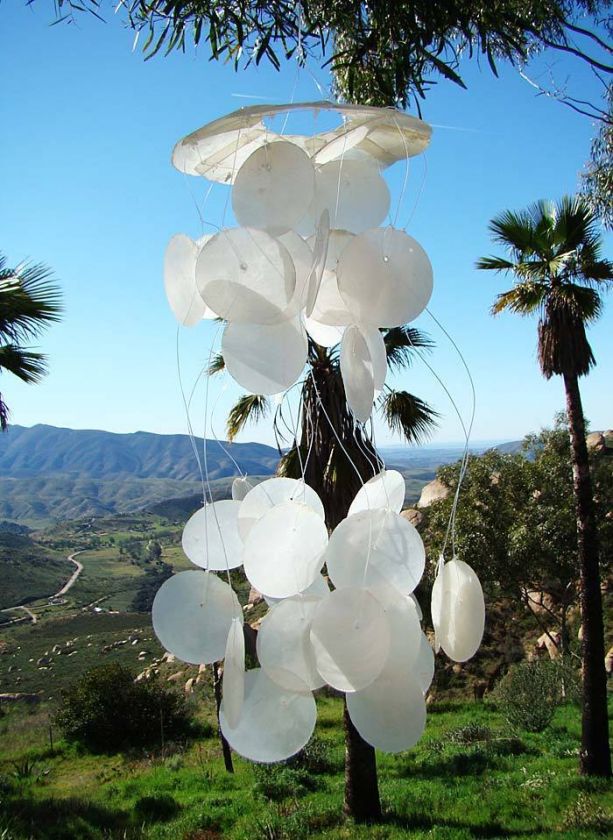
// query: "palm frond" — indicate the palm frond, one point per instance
point(250, 408)
point(29, 300)
point(216, 365)
point(4, 415)
point(408, 416)
point(27, 365)
point(400, 341)
point(495, 264)
point(523, 299)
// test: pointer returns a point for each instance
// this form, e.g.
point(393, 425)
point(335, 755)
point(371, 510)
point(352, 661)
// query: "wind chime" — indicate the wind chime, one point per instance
point(311, 255)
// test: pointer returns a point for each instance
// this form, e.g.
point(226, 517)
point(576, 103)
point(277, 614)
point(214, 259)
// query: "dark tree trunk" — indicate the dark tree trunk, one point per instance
point(330, 472)
point(225, 747)
point(595, 754)
point(362, 801)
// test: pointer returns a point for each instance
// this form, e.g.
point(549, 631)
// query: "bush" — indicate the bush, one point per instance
point(106, 711)
point(314, 758)
point(276, 782)
point(587, 815)
point(156, 808)
point(528, 695)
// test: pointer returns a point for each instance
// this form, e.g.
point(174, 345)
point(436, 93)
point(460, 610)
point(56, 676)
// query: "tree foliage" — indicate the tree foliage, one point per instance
point(381, 52)
point(516, 517)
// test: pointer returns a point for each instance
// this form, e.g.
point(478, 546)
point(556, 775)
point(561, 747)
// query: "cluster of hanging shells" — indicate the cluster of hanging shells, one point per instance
point(309, 257)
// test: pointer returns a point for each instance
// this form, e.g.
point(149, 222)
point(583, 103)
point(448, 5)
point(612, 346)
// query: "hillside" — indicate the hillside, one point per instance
point(29, 570)
point(51, 474)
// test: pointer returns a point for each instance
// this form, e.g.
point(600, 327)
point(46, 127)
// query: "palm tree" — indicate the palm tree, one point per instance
point(336, 455)
point(554, 251)
point(28, 304)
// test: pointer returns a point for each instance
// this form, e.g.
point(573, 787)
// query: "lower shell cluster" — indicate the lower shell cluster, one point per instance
point(363, 637)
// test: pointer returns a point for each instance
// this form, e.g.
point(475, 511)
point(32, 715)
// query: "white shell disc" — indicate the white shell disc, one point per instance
point(350, 634)
point(357, 373)
point(375, 543)
point(353, 192)
point(318, 589)
point(284, 550)
point(180, 280)
point(384, 490)
point(265, 359)
point(275, 491)
point(274, 188)
point(302, 256)
point(246, 276)
point(284, 645)
point(458, 610)
point(241, 486)
point(330, 308)
point(234, 673)
point(192, 614)
point(378, 355)
point(274, 724)
point(424, 667)
point(323, 334)
point(384, 277)
point(211, 539)
point(320, 253)
point(390, 713)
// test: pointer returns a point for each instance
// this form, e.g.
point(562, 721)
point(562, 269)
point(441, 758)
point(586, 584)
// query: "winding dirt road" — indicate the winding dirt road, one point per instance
point(74, 577)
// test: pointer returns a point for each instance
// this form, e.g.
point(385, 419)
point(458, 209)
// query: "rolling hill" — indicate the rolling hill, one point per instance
point(51, 474)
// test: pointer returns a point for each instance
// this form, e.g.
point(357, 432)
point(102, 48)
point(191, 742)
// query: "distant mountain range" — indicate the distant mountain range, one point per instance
point(50, 474)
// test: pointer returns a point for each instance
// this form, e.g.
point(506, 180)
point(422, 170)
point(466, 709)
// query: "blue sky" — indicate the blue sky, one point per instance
point(88, 188)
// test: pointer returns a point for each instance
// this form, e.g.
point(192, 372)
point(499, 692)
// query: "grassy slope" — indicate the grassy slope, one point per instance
point(28, 570)
point(501, 787)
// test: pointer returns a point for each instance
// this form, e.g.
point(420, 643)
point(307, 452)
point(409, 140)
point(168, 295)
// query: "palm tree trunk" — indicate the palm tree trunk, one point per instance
point(595, 757)
point(325, 389)
point(225, 747)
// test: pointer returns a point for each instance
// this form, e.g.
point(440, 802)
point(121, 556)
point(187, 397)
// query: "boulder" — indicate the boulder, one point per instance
point(413, 515)
point(175, 677)
point(432, 492)
point(608, 662)
point(596, 442)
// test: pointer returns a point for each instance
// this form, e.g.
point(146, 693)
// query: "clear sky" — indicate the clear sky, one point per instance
point(87, 187)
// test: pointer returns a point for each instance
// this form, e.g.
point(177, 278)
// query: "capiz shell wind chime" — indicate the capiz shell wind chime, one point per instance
point(311, 255)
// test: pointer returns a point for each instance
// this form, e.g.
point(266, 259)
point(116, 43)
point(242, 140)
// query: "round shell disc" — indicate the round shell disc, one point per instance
point(234, 673)
point(274, 188)
point(424, 667)
point(323, 334)
point(376, 543)
point(357, 373)
point(302, 256)
point(246, 276)
point(329, 306)
point(350, 634)
point(320, 254)
point(274, 724)
point(241, 486)
point(403, 275)
point(265, 359)
point(458, 610)
point(390, 713)
point(180, 280)
point(385, 490)
point(192, 614)
point(284, 550)
point(275, 491)
point(353, 192)
point(284, 645)
point(211, 539)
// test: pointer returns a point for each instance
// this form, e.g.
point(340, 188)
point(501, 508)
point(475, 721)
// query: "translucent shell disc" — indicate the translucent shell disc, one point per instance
point(424, 668)
point(265, 359)
point(375, 543)
point(283, 551)
point(357, 373)
point(192, 614)
point(390, 713)
point(350, 634)
point(320, 254)
point(274, 188)
point(211, 539)
point(458, 610)
point(385, 490)
point(246, 276)
point(353, 192)
point(234, 673)
point(329, 307)
point(302, 256)
point(284, 645)
point(275, 491)
point(403, 273)
point(180, 280)
point(274, 723)
point(241, 486)
point(323, 334)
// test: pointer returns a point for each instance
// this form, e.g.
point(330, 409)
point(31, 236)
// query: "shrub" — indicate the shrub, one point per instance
point(314, 758)
point(586, 815)
point(156, 808)
point(276, 782)
point(106, 711)
point(528, 695)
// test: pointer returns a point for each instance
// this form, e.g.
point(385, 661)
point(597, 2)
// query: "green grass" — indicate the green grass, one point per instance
point(106, 575)
point(468, 777)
